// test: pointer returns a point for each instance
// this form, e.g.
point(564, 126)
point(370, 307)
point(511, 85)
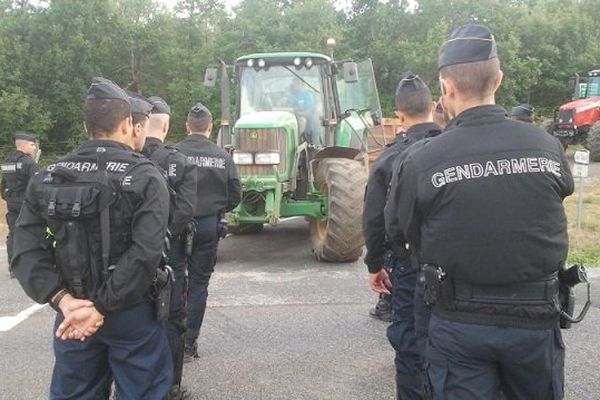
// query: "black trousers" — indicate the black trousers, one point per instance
point(473, 362)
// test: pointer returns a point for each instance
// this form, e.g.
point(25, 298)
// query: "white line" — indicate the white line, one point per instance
point(7, 323)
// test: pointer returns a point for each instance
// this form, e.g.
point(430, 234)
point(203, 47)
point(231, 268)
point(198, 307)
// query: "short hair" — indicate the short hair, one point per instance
point(474, 80)
point(138, 118)
point(415, 103)
point(103, 116)
point(199, 124)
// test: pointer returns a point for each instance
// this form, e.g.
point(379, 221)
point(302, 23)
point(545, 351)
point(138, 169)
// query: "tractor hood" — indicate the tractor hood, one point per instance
point(581, 104)
point(579, 113)
point(267, 119)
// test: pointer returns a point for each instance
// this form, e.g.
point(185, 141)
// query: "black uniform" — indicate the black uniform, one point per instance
point(407, 331)
point(483, 202)
point(219, 191)
point(377, 192)
point(17, 169)
point(219, 187)
point(58, 245)
point(181, 176)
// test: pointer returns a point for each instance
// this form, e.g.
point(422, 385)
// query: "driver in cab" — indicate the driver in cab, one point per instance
point(302, 101)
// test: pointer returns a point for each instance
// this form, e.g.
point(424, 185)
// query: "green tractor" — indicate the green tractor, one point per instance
point(300, 144)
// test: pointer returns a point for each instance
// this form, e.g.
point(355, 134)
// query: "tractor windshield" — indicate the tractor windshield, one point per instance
point(285, 88)
point(590, 88)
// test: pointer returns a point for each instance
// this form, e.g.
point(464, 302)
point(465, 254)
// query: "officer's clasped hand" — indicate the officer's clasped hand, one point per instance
point(380, 282)
point(81, 321)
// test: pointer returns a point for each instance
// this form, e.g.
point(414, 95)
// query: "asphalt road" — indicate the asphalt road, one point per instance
point(279, 326)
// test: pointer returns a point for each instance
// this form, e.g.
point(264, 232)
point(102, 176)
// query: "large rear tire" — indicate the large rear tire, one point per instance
point(339, 238)
point(593, 142)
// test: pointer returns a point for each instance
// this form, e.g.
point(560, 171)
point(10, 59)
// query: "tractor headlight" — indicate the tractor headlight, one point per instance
point(261, 63)
point(242, 158)
point(267, 158)
point(250, 63)
point(297, 61)
point(308, 62)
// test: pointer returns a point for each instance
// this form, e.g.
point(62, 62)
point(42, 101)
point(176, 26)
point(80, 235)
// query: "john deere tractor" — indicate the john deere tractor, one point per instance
point(299, 141)
point(578, 122)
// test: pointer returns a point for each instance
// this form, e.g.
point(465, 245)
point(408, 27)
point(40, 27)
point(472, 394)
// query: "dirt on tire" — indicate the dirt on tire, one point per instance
point(340, 239)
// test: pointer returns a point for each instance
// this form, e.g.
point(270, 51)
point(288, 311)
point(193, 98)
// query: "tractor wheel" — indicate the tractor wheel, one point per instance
point(339, 238)
point(593, 142)
point(245, 229)
point(548, 126)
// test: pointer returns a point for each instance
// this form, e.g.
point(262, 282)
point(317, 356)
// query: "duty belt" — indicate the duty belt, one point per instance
point(532, 292)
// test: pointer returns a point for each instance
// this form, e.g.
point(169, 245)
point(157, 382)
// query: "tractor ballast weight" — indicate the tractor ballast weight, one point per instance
point(299, 140)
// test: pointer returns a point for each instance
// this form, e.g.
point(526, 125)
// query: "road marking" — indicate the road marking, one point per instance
point(7, 323)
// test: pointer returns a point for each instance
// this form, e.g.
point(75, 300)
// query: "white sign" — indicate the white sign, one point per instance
point(580, 171)
point(582, 157)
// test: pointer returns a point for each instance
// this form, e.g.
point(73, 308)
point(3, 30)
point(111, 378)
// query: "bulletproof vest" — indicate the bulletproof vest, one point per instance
point(83, 208)
point(14, 179)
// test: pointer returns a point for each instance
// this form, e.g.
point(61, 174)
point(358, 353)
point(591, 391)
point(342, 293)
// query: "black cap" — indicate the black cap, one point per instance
point(102, 88)
point(522, 110)
point(467, 44)
point(410, 83)
point(22, 135)
point(139, 104)
point(160, 106)
point(199, 111)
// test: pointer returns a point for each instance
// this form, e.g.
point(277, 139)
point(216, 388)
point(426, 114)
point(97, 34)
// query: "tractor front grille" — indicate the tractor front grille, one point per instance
point(253, 140)
point(566, 117)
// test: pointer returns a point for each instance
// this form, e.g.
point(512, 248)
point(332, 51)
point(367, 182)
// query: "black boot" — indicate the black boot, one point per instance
point(383, 308)
point(191, 352)
point(179, 393)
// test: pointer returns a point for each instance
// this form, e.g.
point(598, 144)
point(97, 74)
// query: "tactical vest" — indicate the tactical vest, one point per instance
point(14, 181)
point(84, 211)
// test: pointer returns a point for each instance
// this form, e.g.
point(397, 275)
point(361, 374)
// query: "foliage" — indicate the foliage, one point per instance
point(50, 50)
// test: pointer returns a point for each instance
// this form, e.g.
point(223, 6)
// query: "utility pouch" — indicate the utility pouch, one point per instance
point(434, 278)
point(162, 286)
point(190, 232)
point(569, 278)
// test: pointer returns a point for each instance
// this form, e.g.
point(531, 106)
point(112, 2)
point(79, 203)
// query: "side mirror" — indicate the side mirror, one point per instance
point(210, 77)
point(350, 70)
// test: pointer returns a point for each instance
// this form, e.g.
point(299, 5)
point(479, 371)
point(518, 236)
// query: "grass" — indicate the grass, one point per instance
point(584, 246)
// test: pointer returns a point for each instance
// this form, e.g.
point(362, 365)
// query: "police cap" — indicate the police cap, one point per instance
point(522, 110)
point(410, 83)
point(140, 105)
point(199, 111)
point(22, 135)
point(104, 89)
point(160, 106)
point(467, 44)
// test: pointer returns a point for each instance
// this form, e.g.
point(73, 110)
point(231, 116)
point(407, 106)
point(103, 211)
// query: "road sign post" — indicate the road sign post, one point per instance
point(580, 170)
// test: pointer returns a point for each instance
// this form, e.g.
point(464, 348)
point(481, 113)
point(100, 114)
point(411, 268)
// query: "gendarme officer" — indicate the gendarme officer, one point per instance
point(523, 112)
point(219, 191)
point(17, 168)
point(89, 241)
point(483, 204)
point(414, 108)
point(181, 175)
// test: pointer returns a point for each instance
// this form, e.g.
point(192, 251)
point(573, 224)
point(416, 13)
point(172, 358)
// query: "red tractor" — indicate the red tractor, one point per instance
point(578, 122)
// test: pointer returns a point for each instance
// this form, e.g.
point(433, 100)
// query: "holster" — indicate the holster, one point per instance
point(434, 278)
point(162, 286)
point(189, 239)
